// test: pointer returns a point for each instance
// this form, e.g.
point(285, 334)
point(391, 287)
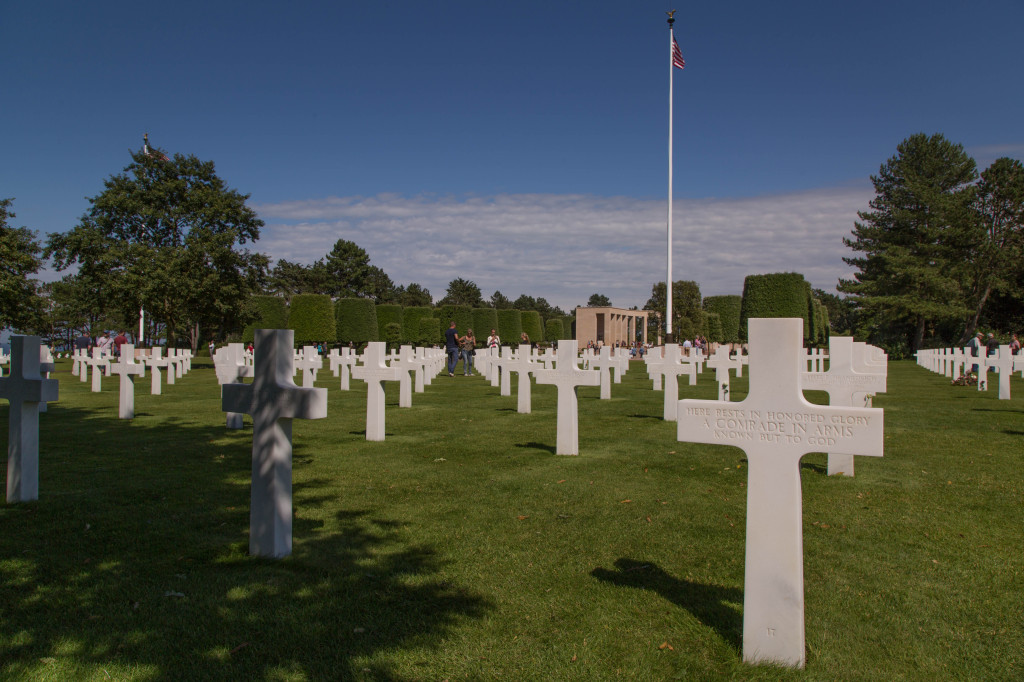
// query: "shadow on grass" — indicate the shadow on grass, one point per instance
point(645, 416)
point(712, 605)
point(996, 409)
point(134, 560)
point(533, 445)
point(816, 468)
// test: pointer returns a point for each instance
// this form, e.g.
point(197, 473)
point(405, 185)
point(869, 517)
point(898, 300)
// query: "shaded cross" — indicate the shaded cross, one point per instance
point(775, 426)
point(127, 369)
point(272, 400)
point(99, 362)
point(231, 368)
point(24, 388)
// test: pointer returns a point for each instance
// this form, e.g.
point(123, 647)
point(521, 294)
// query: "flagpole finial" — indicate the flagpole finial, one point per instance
point(671, 18)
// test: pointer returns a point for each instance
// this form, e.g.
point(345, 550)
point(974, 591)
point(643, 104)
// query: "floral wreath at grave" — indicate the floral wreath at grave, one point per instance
point(966, 380)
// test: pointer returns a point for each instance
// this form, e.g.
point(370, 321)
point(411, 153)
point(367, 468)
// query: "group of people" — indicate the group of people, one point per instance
point(465, 346)
point(111, 345)
point(991, 345)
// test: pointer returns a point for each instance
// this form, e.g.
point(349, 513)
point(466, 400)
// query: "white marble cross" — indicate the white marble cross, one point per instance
point(654, 358)
point(603, 363)
point(566, 377)
point(406, 363)
point(743, 359)
point(522, 364)
point(843, 381)
point(341, 363)
point(722, 362)
point(99, 363)
point(231, 367)
point(273, 400)
point(24, 388)
point(621, 356)
point(775, 426)
point(671, 366)
point(127, 369)
point(154, 361)
point(1002, 361)
point(374, 371)
point(308, 361)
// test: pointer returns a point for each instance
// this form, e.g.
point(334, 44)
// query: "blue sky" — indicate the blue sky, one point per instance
point(521, 145)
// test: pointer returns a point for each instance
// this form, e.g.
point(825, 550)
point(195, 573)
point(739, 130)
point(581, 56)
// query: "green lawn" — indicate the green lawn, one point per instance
point(462, 548)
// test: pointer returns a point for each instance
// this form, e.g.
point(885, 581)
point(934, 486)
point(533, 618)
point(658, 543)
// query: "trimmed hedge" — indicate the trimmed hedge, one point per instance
point(393, 335)
point(568, 327)
point(532, 326)
point(462, 314)
point(713, 327)
point(388, 313)
point(780, 294)
point(553, 329)
point(271, 313)
point(312, 318)
point(430, 331)
point(356, 320)
point(411, 329)
point(484, 320)
point(510, 326)
point(728, 310)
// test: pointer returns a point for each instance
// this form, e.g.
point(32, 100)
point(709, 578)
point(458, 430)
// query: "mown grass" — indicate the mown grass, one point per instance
point(462, 548)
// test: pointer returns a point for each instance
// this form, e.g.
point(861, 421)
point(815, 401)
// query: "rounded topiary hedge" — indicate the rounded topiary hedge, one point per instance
point(462, 314)
point(271, 313)
point(388, 313)
point(510, 326)
point(430, 334)
point(532, 326)
point(393, 334)
point(484, 320)
point(728, 310)
point(553, 329)
point(713, 327)
point(312, 318)
point(781, 294)
point(411, 316)
point(356, 320)
point(569, 327)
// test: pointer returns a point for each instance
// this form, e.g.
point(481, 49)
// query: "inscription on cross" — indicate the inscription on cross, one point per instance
point(776, 426)
point(842, 382)
point(24, 388)
point(273, 401)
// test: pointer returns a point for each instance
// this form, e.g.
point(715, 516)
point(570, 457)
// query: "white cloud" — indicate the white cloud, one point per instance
point(567, 247)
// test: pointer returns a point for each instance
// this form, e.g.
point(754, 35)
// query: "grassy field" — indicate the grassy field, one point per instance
point(463, 548)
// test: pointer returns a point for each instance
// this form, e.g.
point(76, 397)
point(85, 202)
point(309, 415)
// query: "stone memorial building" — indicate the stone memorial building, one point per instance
point(610, 326)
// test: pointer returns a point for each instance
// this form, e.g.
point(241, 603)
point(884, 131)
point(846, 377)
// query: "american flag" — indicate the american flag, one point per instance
point(677, 56)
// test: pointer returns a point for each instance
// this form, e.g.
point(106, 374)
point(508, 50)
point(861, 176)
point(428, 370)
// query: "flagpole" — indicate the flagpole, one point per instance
point(668, 279)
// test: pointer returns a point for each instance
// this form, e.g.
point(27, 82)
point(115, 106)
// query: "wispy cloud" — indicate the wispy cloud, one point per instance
point(567, 247)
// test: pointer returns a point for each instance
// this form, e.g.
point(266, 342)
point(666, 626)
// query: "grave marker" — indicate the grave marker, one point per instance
point(566, 376)
point(231, 367)
point(272, 400)
point(127, 369)
point(154, 361)
point(776, 426)
point(24, 388)
point(523, 365)
point(374, 371)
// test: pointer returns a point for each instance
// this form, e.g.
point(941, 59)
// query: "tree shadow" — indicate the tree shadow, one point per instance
point(646, 416)
point(533, 445)
point(135, 557)
point(717, 607)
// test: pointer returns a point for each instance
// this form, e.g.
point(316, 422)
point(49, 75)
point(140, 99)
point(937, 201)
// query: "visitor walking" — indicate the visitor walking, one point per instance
point(493, 341)
point(467, 346)
point(451, 346)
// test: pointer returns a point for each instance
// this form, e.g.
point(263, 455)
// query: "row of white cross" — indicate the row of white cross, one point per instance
point(774, 425)
point(957, 362)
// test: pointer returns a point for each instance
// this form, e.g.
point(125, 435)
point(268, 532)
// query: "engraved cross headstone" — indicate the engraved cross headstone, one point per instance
point(24, 388)
point(273, 401)
point(842, 382)
point(603, 363)
point(566, 377)
point(154, 361)
point(127, 369)
point(374, 371)
point(776, 426)
point(99, 363)
point(522, 364)
point(232, 368)
point(1002, 361)
point(722, 362)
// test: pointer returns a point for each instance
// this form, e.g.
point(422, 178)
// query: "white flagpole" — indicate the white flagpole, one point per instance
point(668, 279)
point(142, 318)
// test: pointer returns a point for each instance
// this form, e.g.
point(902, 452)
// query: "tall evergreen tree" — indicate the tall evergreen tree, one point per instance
point(912, 240)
